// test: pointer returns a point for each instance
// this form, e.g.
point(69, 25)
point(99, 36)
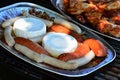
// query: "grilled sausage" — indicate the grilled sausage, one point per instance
point(8, 37)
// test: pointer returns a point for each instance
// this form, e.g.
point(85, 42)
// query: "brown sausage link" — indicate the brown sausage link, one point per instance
point(31, 45)
point(62, 29)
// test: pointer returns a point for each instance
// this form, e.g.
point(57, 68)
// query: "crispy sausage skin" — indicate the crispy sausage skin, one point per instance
point(97, 46)
point(81, 51)
point(8, 37)
point(31, 45)
point(62, 29)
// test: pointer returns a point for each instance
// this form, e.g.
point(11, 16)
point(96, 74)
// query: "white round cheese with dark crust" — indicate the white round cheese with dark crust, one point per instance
point(29, 27)
point(59, 43)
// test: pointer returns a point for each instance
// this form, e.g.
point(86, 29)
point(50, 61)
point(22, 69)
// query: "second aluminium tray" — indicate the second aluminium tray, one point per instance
point(58, 4)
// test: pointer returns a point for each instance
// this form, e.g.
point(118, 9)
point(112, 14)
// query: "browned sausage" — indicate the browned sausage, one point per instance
point(97, 46)
point(31, 45)
point(81, 51)
point(62, 29)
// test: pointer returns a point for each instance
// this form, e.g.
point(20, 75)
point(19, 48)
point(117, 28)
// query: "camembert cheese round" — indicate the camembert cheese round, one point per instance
point(29, 27)
point(59, 43)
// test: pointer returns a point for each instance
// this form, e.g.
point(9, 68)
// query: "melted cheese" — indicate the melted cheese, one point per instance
point(59, 43)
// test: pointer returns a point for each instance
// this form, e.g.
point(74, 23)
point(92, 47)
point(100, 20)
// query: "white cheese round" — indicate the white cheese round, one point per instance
point(29, 27)
point(59, 43)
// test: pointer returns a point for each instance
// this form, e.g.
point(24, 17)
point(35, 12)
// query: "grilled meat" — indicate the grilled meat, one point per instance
point(104, 15)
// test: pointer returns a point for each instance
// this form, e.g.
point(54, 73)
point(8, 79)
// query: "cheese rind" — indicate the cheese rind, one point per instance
point(59, 43)
point(29, 27)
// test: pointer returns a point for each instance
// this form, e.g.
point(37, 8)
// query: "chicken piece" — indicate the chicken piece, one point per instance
point(115, 31)
point(113, 5)
point(105, 26)
point(93, 17)
point(101, 1)
point(89, 7)
point(111, 13)
point(77, 7)
point(116, 19)
point(74, 11)
point(73, 3)
point(92, 11)
point(80, 18)
point(65, 2)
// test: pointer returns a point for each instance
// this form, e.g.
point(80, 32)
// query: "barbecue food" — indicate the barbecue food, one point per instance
point(59, 43)
point(104, 15)
point(62, 29)
point(31, 45)
point(63, 46)
point(29, 27)
point(98, 48)
point(39, 54)
point(81, 51)
point(8, 36)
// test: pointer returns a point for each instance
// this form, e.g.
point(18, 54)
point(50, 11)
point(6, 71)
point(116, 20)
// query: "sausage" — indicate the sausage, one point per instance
point(83, 60)
point(28, 52)
point(43, 58)
point(71, 64)
point(36, 53)
point(97, 46)
point(8, 37)
point(62, 29)
point(59, 28)
point(47, 22)
point(67, 24)
point(31, 45)
point(9, 22)
point(58, 63)
point(81, 51)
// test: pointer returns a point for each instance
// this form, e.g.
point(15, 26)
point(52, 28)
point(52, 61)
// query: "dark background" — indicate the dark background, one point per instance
point(12, 68)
